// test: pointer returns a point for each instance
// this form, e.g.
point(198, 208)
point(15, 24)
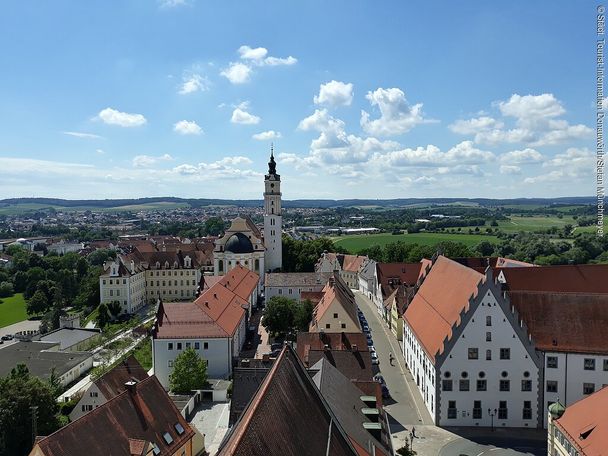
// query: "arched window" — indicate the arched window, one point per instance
point(220, 266)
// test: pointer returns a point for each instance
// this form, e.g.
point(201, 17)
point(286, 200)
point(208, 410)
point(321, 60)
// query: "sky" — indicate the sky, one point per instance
point(362, 99)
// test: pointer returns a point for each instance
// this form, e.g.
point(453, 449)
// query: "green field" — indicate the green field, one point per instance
point(12, 310)
point(356, 243)
point(538, 223)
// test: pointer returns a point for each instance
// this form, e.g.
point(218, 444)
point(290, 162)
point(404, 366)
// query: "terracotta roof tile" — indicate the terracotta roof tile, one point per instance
point(579, 278)
point(112, 383)
point(145, 414)
point(437, 304)
point(241, 281)
point(585, 424)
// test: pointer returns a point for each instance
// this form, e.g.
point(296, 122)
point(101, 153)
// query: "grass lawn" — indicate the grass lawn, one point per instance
point(143, 353)
point(535, 223)
point(12, 310)
point(356, 243)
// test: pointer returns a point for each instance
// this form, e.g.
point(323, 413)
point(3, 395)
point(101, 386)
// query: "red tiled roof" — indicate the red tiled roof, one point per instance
point(287, 416)
point(313, 296)
point(565, 322)
point(437, 304)
point(242, 281)
point(353, 263)
point(338, 290)
point(112, 383)
point(335, 341)
point(585, 424)
point(576, 278)
point(223, 306)
point(144, 414)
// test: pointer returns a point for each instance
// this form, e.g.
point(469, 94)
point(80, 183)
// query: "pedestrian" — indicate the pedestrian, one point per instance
point(390, 358)
point(414, 432)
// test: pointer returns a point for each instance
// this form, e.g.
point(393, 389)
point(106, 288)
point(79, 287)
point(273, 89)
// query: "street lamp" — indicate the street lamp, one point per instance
point(492, 413)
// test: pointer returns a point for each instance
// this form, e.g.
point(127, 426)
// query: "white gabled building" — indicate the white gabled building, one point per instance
point(470, 354)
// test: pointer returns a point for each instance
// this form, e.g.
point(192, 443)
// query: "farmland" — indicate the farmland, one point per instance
point(356, 243)
point(12, 310)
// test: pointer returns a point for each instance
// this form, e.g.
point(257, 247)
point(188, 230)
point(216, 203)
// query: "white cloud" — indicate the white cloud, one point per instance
point(248, 53)
point(510, 169)
point(172, 3)
point(146, 161)
point(553, 176)
point(571, 166)
point(192, 83)
point(267, 135)
point(187, 127)
point(536, 120)
point(472, 126)
point(240, 72)
point(241, 116)
point(100, 151)
point(123, 119)
point(79, 134)
point(396, 115)
point(431, 155)
point(276, 61)
point(518, 157)
point(335, 93)
point(574, 158)
point(605, 103)
point(237, 73)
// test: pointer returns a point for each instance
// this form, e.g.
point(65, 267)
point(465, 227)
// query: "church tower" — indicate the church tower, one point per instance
point(273, 220)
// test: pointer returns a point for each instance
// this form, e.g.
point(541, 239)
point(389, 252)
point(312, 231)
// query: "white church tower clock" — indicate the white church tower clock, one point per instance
point(273, 220)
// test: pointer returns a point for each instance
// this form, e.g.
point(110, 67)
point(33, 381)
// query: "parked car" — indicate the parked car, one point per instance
point(370, 348)
point(375, 359)
point(370, 342)
point(365, 327)
point(380, 379)
point(276, 346)
point(7, 337)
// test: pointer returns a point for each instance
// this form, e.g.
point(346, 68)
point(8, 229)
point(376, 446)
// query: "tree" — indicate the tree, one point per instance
point(279, 315)
point(485, 248)
point(37, 304)
point(19, 391)
point(20, 281)
point(98, 257)
point(189, 372)
point(406, 450)
point(103, 315)
point(214, 226)
point(303, 315)
point(115, 308)
point(6, 289)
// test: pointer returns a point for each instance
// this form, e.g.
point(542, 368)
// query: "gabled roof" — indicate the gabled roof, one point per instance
point(481, 263)
point(308, 341)
point(436, 306)
point(352, 263)
point(354, 365)
point(565, 322)
point(288, 417)
point(112, 383)
point(368, 271)
point(241, 281)
point(296, 279)
point(585, 424)
point(144, 414)
point(572, 278)
point(344, 398)
point(391, 275)
point(336, 289)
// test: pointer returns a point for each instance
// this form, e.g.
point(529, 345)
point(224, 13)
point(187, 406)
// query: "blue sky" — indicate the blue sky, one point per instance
point(362, 99)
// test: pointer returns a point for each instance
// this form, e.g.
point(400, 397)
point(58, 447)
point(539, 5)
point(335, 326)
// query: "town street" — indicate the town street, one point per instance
point(407, 411)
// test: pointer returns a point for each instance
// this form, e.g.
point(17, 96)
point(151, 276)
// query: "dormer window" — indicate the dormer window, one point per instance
point(157, 265)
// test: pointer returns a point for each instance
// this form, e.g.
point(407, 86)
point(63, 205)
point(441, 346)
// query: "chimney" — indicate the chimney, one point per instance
point(130, 386)
point(326, 347)
point(355, 348)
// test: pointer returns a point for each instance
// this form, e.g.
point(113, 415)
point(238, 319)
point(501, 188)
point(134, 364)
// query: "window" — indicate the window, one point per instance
point(488, 355)
point(327, 326)
point(552, 362)
point(482, 385)
point(464, 385)
point(589, 364)
point(452, 410)
point(335, 315)
point(170, 363)
point(473, 353)
point(503, 412)
point(488, 336)
point(188, 344)
point(446, 385)
point(526, 385)
point(179, 345)
point(476, 410)
point(551, 386)
point(505, 353)
point(197, 345)
point(588, 388)
point(488, 320)
point(343, 325)
point(527, 411)
point(170, 346)
point(205, 345)
point(93, 394)
point(505, 385)
point(606, 364)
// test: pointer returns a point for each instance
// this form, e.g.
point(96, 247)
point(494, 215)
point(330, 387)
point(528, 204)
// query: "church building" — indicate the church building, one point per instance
point(243, 243)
